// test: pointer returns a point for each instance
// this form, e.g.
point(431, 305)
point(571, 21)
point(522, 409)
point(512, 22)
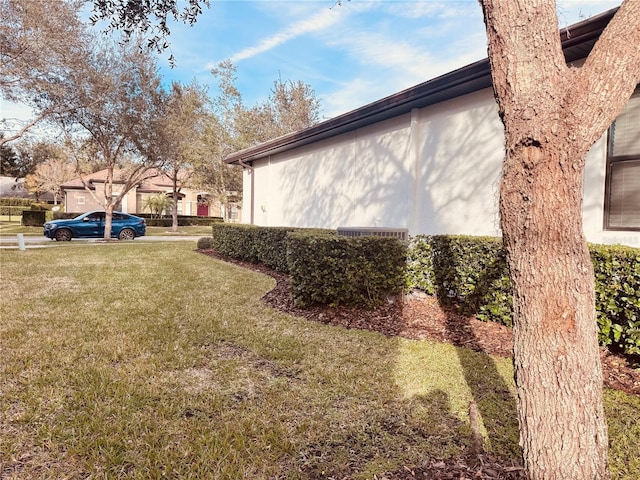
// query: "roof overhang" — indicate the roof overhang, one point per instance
point(577, 41)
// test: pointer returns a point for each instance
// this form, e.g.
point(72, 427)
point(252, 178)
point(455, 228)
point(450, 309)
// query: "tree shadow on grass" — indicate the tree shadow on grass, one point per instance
point(423, 425)
point(493, 401)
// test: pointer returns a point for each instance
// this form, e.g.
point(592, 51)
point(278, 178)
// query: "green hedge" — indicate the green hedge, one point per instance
point(16, 202)
point(334, 270)
point(255, 244)
point(33, 218)
point(236, 241)
point(324, 267)
point(59, 215)
point(617, 272)
point(472, 273)
point(15, 206)
point(419, 272)
point(183, 220)
point(13, 210)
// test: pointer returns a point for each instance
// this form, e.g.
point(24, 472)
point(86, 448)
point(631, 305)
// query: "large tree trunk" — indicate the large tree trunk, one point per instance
point(552, 115)
point(563, 430)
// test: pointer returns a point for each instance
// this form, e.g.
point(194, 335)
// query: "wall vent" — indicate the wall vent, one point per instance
point(399, 233)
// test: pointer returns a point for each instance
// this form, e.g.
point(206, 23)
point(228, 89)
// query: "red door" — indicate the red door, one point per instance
point(203, 210)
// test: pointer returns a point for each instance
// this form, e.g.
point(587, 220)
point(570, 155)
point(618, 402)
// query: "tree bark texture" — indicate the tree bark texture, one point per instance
point(552, 115)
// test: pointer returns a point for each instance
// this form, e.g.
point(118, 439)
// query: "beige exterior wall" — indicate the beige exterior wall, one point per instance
point(435, 170)
point(80, 201)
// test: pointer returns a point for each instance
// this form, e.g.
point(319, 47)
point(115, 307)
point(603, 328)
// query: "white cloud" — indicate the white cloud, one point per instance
point(349, 96)
point(437, 10)
point(320, 21)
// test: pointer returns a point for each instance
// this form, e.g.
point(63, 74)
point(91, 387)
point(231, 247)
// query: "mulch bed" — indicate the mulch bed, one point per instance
point(418, 317)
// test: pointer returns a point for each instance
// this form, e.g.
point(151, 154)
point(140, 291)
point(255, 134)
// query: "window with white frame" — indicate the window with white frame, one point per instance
point(622, 193)
point(80, 200)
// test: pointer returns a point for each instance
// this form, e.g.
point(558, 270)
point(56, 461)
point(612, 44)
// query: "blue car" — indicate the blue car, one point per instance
point(91, 225)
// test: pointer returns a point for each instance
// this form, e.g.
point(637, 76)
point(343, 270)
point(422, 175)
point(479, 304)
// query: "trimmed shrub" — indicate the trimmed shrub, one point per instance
point(205, 243)
point(472, 273)
point(13, 210)
point(336, 270)
point(16, 202)
point(183, 220)
point(65, 215)
point(236, 241)
point(419, 267)
point(33, 218)
point(255, 244)
point(617, 272)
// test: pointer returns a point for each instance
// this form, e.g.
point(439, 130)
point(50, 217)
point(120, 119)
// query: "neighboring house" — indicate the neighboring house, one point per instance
point(429, 159)
point(190, 202)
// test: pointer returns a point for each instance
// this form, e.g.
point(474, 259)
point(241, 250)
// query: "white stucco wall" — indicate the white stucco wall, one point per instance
point(434, 170)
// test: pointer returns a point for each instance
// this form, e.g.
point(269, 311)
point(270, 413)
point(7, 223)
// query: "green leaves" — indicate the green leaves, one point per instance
point(336, 270)
point(472, 273)
point(617, 273)
point(324, 267)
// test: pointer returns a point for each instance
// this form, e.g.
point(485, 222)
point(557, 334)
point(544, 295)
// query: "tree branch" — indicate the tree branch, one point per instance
point(609, 80)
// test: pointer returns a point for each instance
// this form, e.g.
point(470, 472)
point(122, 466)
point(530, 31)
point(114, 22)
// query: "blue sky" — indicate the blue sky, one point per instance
point(350, 54)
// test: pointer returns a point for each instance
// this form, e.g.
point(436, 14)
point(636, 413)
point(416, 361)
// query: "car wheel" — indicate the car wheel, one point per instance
point(63, 235)
point(127, 234)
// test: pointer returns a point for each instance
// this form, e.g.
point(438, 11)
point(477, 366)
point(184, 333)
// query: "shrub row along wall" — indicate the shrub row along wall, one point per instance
point(331, 269)
point(324, 268)
point(469, 272)
point(472, 273)
point(183, 220)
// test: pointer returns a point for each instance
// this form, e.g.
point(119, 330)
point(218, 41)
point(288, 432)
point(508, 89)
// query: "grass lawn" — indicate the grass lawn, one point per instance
point(13, 228)
point(143, 360)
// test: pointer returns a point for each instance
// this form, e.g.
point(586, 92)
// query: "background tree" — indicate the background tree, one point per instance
point(552, 115)
point(291, 106)
point(183, 129)
point(223, 136)
point(40, 42)
point(51, 173)
point(8, 161)
point(119, 99)
point(21, 158)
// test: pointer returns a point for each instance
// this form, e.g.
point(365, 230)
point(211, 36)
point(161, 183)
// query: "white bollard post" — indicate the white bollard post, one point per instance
point(21, 241)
